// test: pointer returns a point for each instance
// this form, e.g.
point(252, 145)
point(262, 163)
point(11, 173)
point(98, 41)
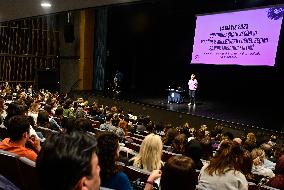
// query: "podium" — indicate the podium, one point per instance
point(175, 95)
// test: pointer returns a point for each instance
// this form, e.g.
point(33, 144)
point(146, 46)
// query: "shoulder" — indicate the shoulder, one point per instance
point(121, 176)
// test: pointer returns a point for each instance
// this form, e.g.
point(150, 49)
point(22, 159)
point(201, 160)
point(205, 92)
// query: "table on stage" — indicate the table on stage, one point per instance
point(174, 95)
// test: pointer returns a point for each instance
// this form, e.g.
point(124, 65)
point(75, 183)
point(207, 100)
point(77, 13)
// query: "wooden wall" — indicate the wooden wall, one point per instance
point(27, 45)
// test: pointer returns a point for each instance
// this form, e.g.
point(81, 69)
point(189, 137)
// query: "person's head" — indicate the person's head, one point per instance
point(228, 156)
point(108, 154)
point(170, 136)
point(178, 173)
point(251, 137)
point(179, 144)
point(67, 104)
point(267, 149)
point(150, 153)
point(34, 107)
point(59, 111)
point(18, 128)
point(258, 156)
point(246, 163)
point(192, 76)
point(69, 161)
point(83, 124)
point(42, 118)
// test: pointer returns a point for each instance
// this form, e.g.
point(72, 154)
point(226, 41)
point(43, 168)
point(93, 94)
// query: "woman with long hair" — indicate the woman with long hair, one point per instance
point(150, 153)
point(258, 156)
point(111, 174)
point(33, 110)
point(225, 170)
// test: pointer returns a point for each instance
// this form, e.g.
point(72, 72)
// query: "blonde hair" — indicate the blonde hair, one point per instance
point(258, 156)
point(34, 107)
point(150, 153)
point(251, 137)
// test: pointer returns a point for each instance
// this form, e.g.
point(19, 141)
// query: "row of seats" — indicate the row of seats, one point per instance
point(19, 170)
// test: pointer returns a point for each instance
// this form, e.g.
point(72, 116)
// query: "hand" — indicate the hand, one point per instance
point(155, 175)
point(35, 143)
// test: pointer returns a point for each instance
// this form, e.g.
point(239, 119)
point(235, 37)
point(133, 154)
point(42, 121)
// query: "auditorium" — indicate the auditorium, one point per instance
point(141, 94)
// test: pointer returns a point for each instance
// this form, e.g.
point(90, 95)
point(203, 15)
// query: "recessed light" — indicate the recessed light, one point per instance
point(45, 4)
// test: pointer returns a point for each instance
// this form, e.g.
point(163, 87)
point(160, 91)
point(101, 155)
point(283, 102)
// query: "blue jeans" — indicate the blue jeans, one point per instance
point(192, 96)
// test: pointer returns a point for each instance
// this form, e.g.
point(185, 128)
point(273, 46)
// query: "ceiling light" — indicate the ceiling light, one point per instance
point(45, 4)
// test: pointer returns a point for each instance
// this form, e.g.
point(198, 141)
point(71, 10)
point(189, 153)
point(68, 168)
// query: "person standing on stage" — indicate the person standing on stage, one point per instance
point(192, 86)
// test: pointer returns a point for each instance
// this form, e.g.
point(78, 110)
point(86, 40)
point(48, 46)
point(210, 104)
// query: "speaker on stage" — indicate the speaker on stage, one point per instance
point(47, 79)
point(69, 36)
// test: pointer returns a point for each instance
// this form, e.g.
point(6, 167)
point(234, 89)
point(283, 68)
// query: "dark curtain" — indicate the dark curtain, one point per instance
point(100, 48)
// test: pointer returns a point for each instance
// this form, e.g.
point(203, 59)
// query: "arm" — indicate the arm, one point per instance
point(150, 181)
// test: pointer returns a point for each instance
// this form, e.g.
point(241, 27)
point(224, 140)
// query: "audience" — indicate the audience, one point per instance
point(62, 164)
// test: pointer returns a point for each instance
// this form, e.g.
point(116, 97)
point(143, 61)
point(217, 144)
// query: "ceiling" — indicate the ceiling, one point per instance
point(16, 9)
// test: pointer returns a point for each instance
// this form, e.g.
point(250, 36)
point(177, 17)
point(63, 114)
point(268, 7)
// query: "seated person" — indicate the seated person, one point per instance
point(18, 132)
point(111, 174)
point(69, 161)
point(178, 173)
point(150, 154)
point(225, 170)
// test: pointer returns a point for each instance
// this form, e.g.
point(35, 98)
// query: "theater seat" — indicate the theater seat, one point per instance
point(29, 174)
point(9, 167)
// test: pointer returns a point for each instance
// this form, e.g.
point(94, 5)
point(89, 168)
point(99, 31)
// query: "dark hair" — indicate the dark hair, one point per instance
point(83, 124)
point(179, 173)
point(108, 144)
point(18, 125)
point(59, 111)
point(67, 104)
point(31, 121)
point(64, 159)
point(67, 123)
point(12, 110)
point(42, 117)
point(179, 143)
point(48, 108)
point(170, 136)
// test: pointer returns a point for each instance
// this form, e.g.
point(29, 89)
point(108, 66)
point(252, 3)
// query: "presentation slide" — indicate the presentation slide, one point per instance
point(246, 37)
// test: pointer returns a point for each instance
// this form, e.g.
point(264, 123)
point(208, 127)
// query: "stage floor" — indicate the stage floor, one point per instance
point(263, 116)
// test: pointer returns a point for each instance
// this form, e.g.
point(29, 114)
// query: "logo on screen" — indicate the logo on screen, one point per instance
point(275, 13)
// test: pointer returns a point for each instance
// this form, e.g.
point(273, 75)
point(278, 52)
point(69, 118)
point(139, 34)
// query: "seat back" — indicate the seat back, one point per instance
point(136, 173)
point(137, 140)
point(29, 174)
point(133, 146)
point(166, 155)
point(265, 187)
point(7, 184)
point(9, 167)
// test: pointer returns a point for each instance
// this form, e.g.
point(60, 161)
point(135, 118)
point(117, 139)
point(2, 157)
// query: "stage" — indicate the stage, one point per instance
point(257, 116)
point(246, 116)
